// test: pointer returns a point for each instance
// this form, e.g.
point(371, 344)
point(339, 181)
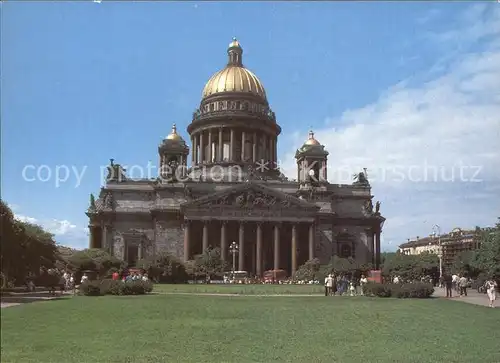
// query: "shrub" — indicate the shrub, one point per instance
point(90, 288)
point(111, 287)
point(380, 290)
point(115, 287)
point(136, 287)
point(418, 290)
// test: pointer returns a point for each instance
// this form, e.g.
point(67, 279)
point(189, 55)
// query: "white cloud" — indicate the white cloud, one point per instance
point(26, 219)
point(415, 139)
point(65, 232)
point(60, 228)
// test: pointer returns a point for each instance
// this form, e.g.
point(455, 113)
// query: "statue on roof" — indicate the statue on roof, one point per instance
point(361, 178)
point(377, 208)
point(115, 172)
point(92, 207)
point(368, 208)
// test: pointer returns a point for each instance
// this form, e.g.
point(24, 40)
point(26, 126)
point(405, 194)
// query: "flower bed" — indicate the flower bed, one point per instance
point(115, 287)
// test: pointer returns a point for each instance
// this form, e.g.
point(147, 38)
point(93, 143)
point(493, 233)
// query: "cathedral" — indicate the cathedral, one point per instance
point(232, 194)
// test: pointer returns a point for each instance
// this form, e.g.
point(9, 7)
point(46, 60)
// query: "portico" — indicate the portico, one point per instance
point(273, 231)
point(292, 242)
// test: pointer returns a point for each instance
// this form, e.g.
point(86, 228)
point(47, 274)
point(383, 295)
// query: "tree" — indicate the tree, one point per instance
point(26, 248)
point(164, 268)
point(308, 271)
point(210, 263)
point(192, 269)
point(11, 247)
point(95, 259)
point(343, 266)
point(463, 263)
point(411, 267)
point(487, 257)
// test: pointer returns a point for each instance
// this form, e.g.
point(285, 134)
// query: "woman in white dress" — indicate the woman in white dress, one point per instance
point(491, 287)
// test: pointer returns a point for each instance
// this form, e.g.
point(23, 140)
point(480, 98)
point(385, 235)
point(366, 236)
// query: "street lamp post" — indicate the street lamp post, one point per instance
point(436, 231)
point(234, 250)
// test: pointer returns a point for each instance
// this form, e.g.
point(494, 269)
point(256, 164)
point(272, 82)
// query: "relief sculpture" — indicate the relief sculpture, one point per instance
point(252, 199)
point(108, 201)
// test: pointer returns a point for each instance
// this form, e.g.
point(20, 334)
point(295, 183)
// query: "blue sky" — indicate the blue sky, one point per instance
point(385, 86)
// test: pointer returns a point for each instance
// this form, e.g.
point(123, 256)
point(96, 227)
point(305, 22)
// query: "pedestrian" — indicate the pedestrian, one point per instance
point(362, 282)
point(334, 286)
point(72, 283)
point(352, 289)
point(454, 281)
point(491, 286)
point(329, 284)
point(462, 282)
point(448, 282)
point(84, 279)
point(326, 285)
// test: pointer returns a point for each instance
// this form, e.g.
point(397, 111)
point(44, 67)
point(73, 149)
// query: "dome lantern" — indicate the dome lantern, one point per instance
point(174, 135)
point(235, 53)
point(311, 140)
point(173, 152)
point(311, 161)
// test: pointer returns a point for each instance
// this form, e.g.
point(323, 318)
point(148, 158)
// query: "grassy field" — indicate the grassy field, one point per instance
point(242, 289)
point(181, 328)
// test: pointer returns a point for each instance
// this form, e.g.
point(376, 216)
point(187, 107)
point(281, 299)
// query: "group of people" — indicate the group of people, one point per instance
point(132, 276)
point(66, 281)
point(343, 286)
point(461, 283)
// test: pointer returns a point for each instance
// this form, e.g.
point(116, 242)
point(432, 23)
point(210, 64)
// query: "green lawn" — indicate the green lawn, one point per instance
point(182, 328)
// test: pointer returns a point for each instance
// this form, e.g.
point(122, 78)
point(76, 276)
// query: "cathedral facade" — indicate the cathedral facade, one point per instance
point(233, 193)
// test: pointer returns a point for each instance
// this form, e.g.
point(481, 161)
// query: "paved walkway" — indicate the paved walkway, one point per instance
point(8, 305)
point(16, 299)
point(473, 297)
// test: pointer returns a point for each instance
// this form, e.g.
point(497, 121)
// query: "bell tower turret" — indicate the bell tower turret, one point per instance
point(173, 153)
point(311, 162)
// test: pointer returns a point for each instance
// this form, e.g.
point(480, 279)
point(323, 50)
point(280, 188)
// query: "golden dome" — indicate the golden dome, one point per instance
point(311, 140)
point(235, 77)
point(173, 134)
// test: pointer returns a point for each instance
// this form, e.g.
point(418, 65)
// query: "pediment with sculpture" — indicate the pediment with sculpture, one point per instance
point(251, 197)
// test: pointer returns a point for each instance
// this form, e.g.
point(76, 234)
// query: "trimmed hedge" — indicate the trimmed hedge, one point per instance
point(115, 287)
point(417, 290)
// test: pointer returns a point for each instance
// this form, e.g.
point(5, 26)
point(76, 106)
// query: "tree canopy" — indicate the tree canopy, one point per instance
point(26, 248)
point(487, 258)
point(411, 267)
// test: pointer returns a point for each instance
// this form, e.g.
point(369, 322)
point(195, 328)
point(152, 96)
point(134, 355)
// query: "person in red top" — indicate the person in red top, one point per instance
point(115, 276)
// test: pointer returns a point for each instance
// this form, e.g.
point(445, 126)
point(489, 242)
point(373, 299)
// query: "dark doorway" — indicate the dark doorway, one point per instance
point(132, 255)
